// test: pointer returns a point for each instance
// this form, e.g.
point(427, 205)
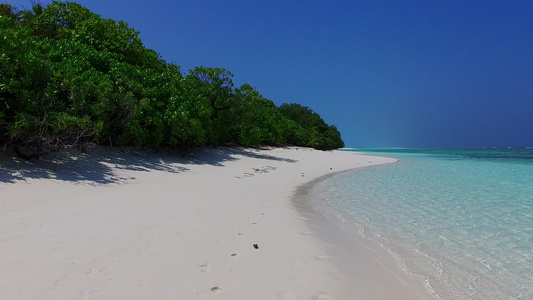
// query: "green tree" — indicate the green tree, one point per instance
point(70, 78)
point(320, 135)
point(36, 117)
point(215, 87)
point(71, 21)
point(258, 120)
point(6, 10)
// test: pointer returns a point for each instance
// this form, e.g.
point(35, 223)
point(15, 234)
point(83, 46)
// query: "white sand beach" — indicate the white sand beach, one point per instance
point(136, 225)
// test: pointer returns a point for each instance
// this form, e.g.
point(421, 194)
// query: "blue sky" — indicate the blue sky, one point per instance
point(387, 73)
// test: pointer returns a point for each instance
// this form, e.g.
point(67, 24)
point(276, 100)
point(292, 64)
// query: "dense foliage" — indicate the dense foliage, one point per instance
point(319, 134)
point(70, 78)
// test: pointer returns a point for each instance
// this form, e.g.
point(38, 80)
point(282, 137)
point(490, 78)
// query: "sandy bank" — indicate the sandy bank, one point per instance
point(135, 225)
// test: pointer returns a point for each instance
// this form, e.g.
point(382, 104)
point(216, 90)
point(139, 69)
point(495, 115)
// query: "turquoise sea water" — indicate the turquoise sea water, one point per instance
point(462, 218)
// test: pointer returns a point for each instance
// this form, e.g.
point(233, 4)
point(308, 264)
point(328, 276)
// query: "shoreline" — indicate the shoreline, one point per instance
point(355, 253)
point(138, 225)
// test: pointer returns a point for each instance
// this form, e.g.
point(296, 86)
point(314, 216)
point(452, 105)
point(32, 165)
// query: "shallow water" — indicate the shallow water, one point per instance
point(462, 218)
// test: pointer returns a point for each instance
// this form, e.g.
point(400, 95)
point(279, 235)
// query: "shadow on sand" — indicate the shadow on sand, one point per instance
point(98, 166)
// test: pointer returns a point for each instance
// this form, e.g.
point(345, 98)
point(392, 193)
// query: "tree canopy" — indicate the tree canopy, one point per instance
point(319, 134)
point(70, 78)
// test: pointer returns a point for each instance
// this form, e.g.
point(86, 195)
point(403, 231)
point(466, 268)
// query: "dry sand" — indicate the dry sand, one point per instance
point(216, 225)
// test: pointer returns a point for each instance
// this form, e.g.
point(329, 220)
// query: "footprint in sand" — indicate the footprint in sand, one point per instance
point(264, 169)
point(204, 267)
point(307, 233)
point(321, 296)
point(92, 271)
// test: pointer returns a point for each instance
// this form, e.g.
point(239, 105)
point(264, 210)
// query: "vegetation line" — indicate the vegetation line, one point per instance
point(69, 78)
